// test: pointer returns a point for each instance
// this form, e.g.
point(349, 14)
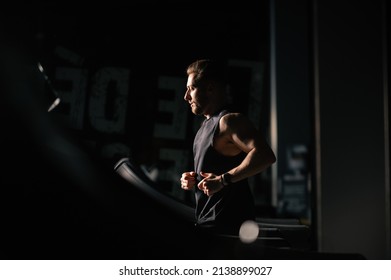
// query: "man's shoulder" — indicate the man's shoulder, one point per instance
point(233, 120)
point(232, 117)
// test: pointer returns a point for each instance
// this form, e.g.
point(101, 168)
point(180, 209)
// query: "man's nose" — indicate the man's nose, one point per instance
point(187, 96)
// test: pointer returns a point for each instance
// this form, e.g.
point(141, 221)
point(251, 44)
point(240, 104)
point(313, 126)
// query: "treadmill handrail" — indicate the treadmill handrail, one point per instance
point(133, 174)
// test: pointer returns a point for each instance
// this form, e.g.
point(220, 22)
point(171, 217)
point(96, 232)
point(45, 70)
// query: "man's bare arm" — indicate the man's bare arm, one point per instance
point(242, 133)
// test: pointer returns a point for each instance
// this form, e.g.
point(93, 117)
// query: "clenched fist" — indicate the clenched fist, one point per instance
point(188, 180)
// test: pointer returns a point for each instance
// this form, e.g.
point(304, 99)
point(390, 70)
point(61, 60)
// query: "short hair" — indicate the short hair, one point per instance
point(208, 70)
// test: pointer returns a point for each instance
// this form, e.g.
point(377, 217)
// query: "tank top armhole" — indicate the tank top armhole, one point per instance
point(217, 125)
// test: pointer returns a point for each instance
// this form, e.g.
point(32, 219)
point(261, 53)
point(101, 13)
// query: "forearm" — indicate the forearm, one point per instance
point(254, 163)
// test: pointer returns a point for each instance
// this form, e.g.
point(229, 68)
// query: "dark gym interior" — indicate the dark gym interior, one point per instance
point(95, 131)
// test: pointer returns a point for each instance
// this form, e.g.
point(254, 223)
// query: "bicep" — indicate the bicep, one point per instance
point(244, 134)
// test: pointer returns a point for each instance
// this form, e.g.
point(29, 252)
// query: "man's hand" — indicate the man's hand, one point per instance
point(210, 184)
point(188, 180)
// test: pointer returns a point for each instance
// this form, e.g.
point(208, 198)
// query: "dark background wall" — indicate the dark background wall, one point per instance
point(353, 155)
point(332, 56)
point(291, 109)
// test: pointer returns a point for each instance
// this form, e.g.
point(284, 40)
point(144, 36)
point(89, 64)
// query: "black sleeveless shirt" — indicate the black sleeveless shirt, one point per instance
point(227, 209)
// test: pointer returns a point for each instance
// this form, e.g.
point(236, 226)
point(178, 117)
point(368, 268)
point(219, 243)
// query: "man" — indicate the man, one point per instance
point(227, 149)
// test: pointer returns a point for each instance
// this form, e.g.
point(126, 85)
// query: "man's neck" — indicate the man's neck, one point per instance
point(213, 112)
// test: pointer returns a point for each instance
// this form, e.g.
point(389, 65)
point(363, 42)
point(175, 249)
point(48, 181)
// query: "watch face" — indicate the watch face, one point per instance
point(226, 179)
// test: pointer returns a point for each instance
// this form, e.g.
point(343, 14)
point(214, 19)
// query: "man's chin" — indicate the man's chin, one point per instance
point(198, 113)
point(195, 111)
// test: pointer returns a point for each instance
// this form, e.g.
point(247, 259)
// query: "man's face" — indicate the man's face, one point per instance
point(196, 95)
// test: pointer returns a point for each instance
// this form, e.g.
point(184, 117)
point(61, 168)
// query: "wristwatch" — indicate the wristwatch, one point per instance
point(226, 179)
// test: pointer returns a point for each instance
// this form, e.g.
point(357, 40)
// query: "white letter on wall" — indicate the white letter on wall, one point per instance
point(109, 84)
point(179, 159)
point(177, 128)
point(75, 95)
